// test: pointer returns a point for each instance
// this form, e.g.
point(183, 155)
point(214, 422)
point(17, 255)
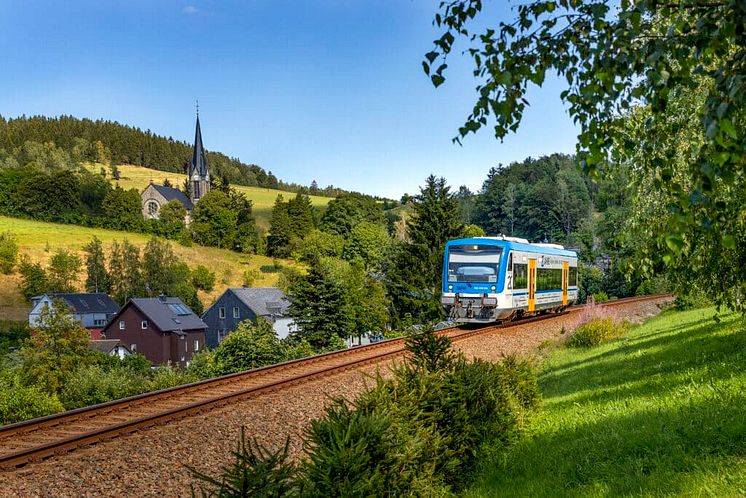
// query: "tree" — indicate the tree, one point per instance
point(57, 347)
point(509, 203)
point(630, 64)
point(171, 218)
point(34, 280)
point(369, 242)
point(214, 220)
point(280, 231)
point(8, 252)
point(123, 209)
point(251, 345)
point(158, 260)
point(316, 245)
point(97, 279)
point(319, 309)
point(348, 210)
point(63, 271)
point(124, 271)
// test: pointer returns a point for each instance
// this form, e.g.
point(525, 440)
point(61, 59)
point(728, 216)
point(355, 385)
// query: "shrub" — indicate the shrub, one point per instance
point(92, 385)
point(597, 331)
point(300, 349)
point(203, 365)
point(429, 350)
point(8, 252)
point(18, 402)
point(694, 300)
point(273, 268)
point(165, 377)
point(600, 297)
point(256, 471)
point(249, 277)
point(251, 345)
point(203, 278)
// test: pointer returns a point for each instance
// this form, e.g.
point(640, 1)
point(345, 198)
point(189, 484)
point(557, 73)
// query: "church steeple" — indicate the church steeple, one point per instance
point(199, 175)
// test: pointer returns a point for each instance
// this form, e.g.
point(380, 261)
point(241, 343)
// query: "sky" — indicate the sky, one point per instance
point(325, 90)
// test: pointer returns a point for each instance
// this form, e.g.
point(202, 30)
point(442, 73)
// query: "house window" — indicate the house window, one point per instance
point(236, 313)
point(196, 344)
point(221, 312)
point(121, 324)
point(144, 324)
point(133, 347)
point(99, 322)
point(221, 335)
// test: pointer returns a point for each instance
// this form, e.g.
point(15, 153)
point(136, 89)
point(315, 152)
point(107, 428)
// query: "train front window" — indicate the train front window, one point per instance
point(473, 263)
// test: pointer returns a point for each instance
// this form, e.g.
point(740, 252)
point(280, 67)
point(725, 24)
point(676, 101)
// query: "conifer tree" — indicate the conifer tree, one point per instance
point(278, 241)
point(97, 279)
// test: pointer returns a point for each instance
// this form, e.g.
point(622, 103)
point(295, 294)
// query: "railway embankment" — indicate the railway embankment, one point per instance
point(152, 461)
point(659, 412)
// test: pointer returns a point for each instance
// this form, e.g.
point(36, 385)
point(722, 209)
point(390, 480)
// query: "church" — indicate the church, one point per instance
point(156, 196)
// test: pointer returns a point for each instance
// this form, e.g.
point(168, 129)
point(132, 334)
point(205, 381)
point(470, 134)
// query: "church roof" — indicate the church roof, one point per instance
point(199, 158)
point(171, 194)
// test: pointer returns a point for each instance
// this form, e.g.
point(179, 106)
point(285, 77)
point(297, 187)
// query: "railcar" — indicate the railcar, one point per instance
point(490, 279)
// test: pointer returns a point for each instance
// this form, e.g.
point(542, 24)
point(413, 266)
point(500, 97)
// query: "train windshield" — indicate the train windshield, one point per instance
point(473, 263)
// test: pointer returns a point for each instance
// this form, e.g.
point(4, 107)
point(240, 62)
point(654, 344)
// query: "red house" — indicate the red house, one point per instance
point(163, 329)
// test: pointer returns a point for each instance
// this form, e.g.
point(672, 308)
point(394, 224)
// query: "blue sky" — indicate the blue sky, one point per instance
point(325, 90)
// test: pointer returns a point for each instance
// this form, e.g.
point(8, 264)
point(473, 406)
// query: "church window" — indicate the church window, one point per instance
point(152, 208)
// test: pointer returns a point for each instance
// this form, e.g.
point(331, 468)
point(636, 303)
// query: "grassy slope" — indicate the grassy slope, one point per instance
point(263, 198)
point(660, 412)
point(40, 240)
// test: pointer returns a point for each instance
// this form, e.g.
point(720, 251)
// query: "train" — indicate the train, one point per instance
point(494, 279)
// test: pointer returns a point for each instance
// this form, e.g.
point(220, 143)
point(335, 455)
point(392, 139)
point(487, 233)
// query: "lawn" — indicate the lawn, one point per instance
point(263, 198)
point(39, 240)
point(661, 412)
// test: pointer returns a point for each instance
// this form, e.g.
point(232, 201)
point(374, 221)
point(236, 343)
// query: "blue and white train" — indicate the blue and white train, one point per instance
point(488, 279)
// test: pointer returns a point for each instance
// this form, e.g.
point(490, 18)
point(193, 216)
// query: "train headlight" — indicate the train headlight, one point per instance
point(450, 288)
point(493, 288)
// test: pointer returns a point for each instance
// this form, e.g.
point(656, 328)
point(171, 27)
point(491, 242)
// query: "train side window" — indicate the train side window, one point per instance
point(548, 279)
point(572, 276)
point(520, 276)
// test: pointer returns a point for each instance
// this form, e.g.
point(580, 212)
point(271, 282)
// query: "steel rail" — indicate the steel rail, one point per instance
point(300, 370)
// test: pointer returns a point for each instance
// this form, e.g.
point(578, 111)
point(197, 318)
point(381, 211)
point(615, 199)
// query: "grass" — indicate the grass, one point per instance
point(39, 240)
point(263, 198)
point(661, 412)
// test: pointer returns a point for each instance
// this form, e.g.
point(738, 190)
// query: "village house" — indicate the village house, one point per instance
point(112, 347)
point(163, 329)
point(92, 311)
point(154, 197)
point(243, 303)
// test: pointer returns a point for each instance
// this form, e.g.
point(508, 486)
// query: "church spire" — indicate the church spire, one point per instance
point(199, 175)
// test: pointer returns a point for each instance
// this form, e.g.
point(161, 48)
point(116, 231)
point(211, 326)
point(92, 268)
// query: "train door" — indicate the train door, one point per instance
point(531, 285)
point(565, 273)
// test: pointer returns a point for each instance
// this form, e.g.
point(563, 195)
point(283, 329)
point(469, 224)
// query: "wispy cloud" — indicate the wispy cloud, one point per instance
point(189, 10)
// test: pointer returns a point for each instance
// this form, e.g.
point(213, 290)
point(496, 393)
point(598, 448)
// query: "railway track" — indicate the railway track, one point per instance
point(41, 438)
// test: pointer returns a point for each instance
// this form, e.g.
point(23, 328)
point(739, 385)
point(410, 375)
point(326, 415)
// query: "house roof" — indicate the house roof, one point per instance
point(106, 345)
point(263, 301)
point(169, 314)
point(170, 194)
point(88, 303)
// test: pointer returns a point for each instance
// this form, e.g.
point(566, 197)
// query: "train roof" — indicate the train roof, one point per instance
point(516, 245)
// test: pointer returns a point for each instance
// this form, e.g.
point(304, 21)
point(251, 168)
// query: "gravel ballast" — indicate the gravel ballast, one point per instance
point(152, 462)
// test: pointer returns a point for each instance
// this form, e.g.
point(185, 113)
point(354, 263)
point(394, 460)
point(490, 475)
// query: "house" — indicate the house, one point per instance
point(154, 197)
point(93, 311)
point(112, 347)
point(243, 303)
point(163, 329)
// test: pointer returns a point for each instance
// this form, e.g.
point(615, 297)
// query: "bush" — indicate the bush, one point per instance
point(597, 331)
point(18, 402)
point(249, 277)
point(8, 252)
point(256, 471)
point(203, 279)
point(694, 300)
point(165, 377)
point(273, 268)
point(92, 385)
point(600, 297)
point(251, 345)
point(203, 365)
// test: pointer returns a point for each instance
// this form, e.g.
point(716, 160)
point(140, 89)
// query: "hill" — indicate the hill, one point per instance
point(39, 240)
point(661, 412)
point(262, 198)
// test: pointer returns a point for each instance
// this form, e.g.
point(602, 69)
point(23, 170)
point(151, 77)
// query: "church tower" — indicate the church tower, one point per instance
point(199, 176)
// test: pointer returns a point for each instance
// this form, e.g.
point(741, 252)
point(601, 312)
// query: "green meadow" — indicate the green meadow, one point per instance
point(262, 198)
point(39, 240)
point(661, 412)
